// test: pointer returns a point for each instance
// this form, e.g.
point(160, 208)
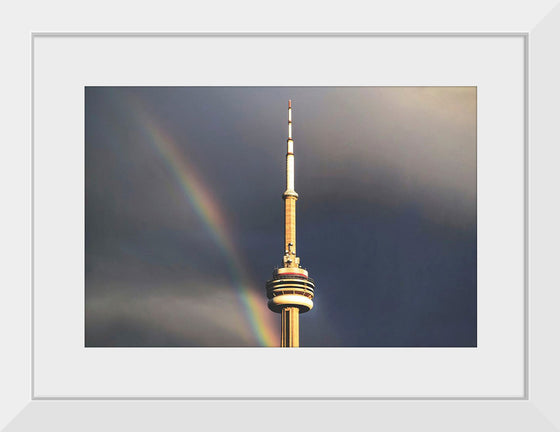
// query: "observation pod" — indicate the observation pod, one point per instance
point(290, 287)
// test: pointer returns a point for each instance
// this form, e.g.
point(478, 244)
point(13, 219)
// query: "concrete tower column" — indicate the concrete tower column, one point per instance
point(290, 228)
point(290, 327)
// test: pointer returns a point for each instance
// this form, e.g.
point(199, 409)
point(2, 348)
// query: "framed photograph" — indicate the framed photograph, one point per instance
point(486, 356)
point(184, 227)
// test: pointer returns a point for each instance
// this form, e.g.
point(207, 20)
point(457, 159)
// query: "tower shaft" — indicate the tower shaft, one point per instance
point(290, 327)
point(290, 229)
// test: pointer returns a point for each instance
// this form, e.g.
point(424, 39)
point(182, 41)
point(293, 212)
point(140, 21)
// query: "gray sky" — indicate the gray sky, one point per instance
point(184, 215)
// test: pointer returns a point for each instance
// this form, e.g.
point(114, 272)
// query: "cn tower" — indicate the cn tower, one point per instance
point(291, 290)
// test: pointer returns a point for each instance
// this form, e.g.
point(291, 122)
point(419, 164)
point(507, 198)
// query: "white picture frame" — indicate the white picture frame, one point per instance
point(537, 409)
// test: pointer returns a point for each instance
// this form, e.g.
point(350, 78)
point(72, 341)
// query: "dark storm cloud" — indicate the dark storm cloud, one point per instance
point(201, 315)
point(386, 216)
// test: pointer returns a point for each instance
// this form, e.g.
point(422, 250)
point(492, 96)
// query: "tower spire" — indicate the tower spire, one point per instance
point(291, 290)
point(290, 197)
point(290, 119)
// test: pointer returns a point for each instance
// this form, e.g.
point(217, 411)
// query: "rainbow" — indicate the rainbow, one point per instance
point(202, 200)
